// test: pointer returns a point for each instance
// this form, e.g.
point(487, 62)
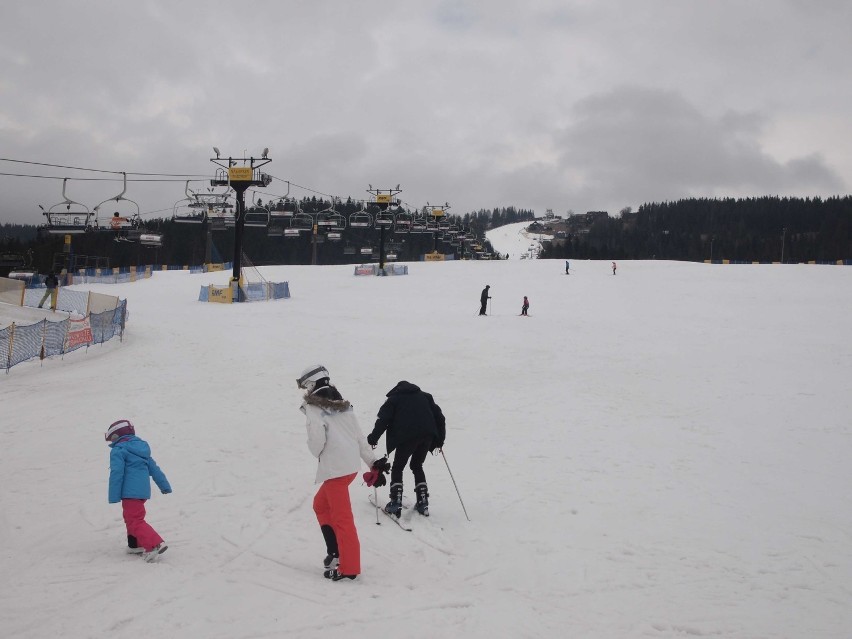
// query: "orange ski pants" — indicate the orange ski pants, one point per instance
point(333, 508)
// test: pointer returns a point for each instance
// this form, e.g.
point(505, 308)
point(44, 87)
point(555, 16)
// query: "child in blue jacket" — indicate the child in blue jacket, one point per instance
point(130, 467)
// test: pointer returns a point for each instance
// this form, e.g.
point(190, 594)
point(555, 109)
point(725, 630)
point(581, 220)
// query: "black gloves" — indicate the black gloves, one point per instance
point(372, 440)
point(376, 476)
point(382, 465)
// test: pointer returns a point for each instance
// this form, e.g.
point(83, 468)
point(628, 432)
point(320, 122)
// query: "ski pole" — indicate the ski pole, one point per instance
point(490, 312)
point(376, 502)
point(454, 484)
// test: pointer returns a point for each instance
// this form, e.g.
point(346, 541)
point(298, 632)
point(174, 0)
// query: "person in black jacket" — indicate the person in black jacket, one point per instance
point(414, 426)
point(51, 284)
point(483, 299)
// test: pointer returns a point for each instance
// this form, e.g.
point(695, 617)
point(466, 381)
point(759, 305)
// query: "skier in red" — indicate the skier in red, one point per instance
point(525, 306)
point(336, 440)
point(613, 268)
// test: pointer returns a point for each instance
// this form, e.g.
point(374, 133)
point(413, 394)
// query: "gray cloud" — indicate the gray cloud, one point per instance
point(540, 104)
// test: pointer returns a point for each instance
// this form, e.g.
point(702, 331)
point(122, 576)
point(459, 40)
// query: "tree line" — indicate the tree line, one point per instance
point(763, 229)
point(187, 244)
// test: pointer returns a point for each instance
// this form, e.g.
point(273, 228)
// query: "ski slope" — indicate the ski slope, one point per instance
point(662, 453)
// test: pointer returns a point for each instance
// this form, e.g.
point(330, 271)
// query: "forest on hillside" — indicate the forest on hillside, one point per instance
point(193, 244)
point(764, 229)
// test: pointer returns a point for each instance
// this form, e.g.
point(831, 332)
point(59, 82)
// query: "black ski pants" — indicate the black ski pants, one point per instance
point(415, 450)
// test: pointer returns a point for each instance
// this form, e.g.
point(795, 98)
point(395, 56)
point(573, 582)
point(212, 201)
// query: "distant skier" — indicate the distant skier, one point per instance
point(566, 268)
point(336, 440)
point(415, 426)
point(130, 469)
point(525, 306)
point(483, 299)
point(613, 268)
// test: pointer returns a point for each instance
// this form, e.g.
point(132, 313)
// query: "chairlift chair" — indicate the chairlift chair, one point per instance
point(190, 209)
point(71, 220)
point(117, 223)
point(384, 219)
point(360, 218)
point(152, 240)
point(256, 216)
point(402, 224)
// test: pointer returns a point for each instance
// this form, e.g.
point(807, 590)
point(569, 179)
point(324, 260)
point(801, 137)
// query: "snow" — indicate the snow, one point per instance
point(515, 240)
point(661, 453)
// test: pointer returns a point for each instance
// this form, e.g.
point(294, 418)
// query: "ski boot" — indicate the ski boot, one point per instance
point(331, 561)
point(335, 575)
point(422, 505)
point(133, 547)
point(394, 506)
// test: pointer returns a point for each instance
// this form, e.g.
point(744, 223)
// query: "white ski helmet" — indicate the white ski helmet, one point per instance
point(311, 375)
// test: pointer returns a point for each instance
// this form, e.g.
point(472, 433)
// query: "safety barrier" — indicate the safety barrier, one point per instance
point(824, 262)
point(48, 339)
point(249, 292)
point(389, 269)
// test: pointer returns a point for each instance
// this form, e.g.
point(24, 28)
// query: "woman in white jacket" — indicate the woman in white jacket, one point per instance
point(336, 440)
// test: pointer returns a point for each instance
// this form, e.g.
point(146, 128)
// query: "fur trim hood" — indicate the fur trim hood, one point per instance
point(336, 405)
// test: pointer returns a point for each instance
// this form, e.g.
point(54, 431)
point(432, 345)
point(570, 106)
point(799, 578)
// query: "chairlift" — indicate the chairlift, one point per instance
point(153, 240)
point(190, 209)
point(302, 222)
point(257, 215)
point(284, 208)
point(349, 250)
point(71, 220)
point(403, 221)
point(118, 223)
point(366, 250)
point(384, 218)
point(360, 218)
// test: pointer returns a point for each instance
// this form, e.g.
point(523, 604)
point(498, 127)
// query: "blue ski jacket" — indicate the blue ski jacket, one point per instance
point(130, 467)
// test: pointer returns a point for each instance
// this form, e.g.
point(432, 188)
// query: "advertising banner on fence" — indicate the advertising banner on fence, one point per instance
point(79, 332)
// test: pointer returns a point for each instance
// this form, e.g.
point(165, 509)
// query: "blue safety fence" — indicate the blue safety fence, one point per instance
point(50, 339)
point(250, 292)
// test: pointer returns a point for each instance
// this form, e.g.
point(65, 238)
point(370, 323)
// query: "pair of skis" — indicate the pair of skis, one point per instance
point(393, 518)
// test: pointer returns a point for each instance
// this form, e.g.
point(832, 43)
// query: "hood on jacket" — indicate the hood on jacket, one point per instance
point(133, 444)
point(336, 405)
point(403, 387)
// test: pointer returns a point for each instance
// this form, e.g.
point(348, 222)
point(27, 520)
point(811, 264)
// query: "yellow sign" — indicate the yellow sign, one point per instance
point(239, 174)
point(383, 198)
point(220, 294)
point(437, 212)
point(434, 257)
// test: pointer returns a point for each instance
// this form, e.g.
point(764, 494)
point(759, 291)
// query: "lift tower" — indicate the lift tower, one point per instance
point(240, 174)
point(385, 201)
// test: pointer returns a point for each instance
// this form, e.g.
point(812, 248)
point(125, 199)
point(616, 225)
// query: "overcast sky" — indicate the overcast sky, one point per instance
point(567, 105)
